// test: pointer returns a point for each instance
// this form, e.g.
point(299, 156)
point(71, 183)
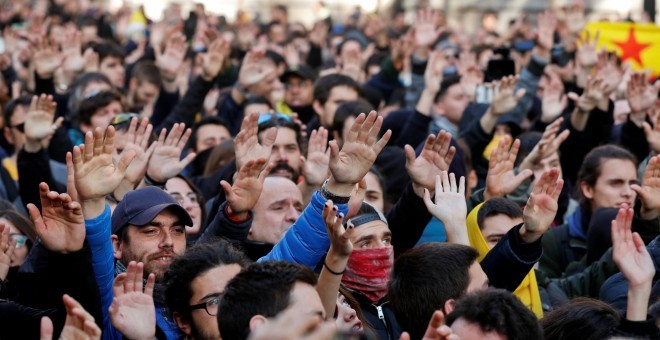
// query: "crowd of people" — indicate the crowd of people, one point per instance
point(363, 178)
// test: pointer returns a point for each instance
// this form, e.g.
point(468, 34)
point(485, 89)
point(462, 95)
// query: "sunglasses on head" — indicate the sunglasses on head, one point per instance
point(123, 118)
point(265, 117)
point(19, 238)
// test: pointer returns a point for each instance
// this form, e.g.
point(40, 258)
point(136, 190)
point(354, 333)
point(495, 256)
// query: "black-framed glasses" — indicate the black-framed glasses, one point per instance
point(20, 127)
point(210, 306)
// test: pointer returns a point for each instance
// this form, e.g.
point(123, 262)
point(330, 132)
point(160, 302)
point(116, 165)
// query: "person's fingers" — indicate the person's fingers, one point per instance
point(409, 152)
point(92, 330)
point(452, 183)
point(375, 129)
point(382, 142)
point(269, 137)
point(125, 160)
point(227, 188)
point(149, 287)
point(46, 331)
point(513, 152)
point(557, 189)
point(404, 336)
point(354, 131)
point(109, 142)
point(427, 199)
point(130, 133)
point(187, 160)
point(88, 151)
point(184, 139)
point(446, 187)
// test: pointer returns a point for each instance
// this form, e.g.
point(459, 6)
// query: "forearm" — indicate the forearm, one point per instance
point(328, 284)
point(579, 119)
point(425, 102)
point(488, 121)
point(307, 191)
point(638, 302)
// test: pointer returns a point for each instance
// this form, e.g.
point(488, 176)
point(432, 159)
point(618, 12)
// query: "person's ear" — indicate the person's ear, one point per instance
point(182, 323)
point(587, 190)
point(449, 306)
point(116, 246)
point(256, 322)
point(318, 108)
point(132, 84)
point(8, 135)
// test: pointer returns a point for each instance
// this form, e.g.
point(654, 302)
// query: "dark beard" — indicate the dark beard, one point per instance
point(286, 167)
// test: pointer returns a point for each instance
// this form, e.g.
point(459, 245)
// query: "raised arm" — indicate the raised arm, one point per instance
point(449, 207)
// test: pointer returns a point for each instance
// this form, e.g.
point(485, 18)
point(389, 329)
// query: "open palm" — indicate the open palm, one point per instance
point(244, 194)
point(166, 161)
point(96, 174)
point(628, 250)
point(432, 161)
point(60, 226)
point(132, 311)
point(360, 149)
point(649, 191)
point(501, 179)
point(542, 204)
point(246, 144)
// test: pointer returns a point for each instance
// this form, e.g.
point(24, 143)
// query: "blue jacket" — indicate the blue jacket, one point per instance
point(306, 242)
point(98, 236)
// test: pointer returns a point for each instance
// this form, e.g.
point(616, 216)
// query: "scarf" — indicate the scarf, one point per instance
point(368, 272)
point(528, 290)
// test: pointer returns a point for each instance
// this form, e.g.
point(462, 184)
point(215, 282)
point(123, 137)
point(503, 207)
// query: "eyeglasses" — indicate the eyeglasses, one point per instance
point(210, 306)
point(191, 196)
point(265, 117)
point(20, 127)
point(19, 238)
point(123, 118)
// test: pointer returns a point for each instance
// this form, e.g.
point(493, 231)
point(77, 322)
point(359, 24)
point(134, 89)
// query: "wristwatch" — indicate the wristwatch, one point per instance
point(330, 196)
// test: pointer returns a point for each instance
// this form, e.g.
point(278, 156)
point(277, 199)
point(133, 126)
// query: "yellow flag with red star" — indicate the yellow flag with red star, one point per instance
point(638, 44)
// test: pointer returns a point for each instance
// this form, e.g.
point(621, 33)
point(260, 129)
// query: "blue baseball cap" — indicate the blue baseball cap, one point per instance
point(139, 207)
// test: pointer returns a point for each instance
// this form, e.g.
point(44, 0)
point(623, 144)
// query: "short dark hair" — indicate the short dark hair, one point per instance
point(324, 85)
point(107, 49)
point(591, 167)
point(209, 120)
point(10, 108)
point(446, 83)
point(498, 206)
point(279, 122)
point(196, 261)
point(89, 106)
point(264, 288)
point(146, 71)
point(77, 88)
point(424, 278)
point(349, 109)
point(580, 318)
point(497, 310)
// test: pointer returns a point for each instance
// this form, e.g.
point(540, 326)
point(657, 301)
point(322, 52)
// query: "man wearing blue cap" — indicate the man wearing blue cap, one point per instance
point(147, 226)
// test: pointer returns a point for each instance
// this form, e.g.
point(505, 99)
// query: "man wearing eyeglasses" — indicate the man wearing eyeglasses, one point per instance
point(194, 285)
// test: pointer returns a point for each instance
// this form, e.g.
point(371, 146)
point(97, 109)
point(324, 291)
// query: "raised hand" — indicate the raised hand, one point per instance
point(244, 194)
point(594, 93)
point(251, 71)
point(359, 151)
point(95, 173)
point(653, 135)
point(628, 250)
point(137, 141)
point(46, 58)
point(79, 324)
point(169, 62)
point(7, 247)
point(432, 161)
point(541, 206)
point(166, 161)
point(449, 206)
point(640, 94)
point(547, 146)
point(649, 191)
point(426, 32)
point(74, 62)
point(39, 121)
point(246, 143)
point(433, 72)
point(352, 65)
point(574, 17)
point(316, 166)
point(547, 23)
point(505, 98)
point(437, 330)
point(60, 226)
point(554, 100)
point(214, 59)
point(501, 179)
point(340, 238)
point(132, 311)
point(607, 69)
point(586, 54)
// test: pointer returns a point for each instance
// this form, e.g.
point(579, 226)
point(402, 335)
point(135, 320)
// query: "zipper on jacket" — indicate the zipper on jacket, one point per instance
point(381, 316)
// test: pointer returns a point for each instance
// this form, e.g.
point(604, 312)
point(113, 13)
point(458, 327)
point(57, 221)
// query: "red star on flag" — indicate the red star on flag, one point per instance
point(631, 49)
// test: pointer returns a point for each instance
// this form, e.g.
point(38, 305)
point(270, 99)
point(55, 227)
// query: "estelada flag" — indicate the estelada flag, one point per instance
point(638, 44)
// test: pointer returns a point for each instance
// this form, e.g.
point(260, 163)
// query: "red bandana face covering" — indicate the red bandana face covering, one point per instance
point(368, 272)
